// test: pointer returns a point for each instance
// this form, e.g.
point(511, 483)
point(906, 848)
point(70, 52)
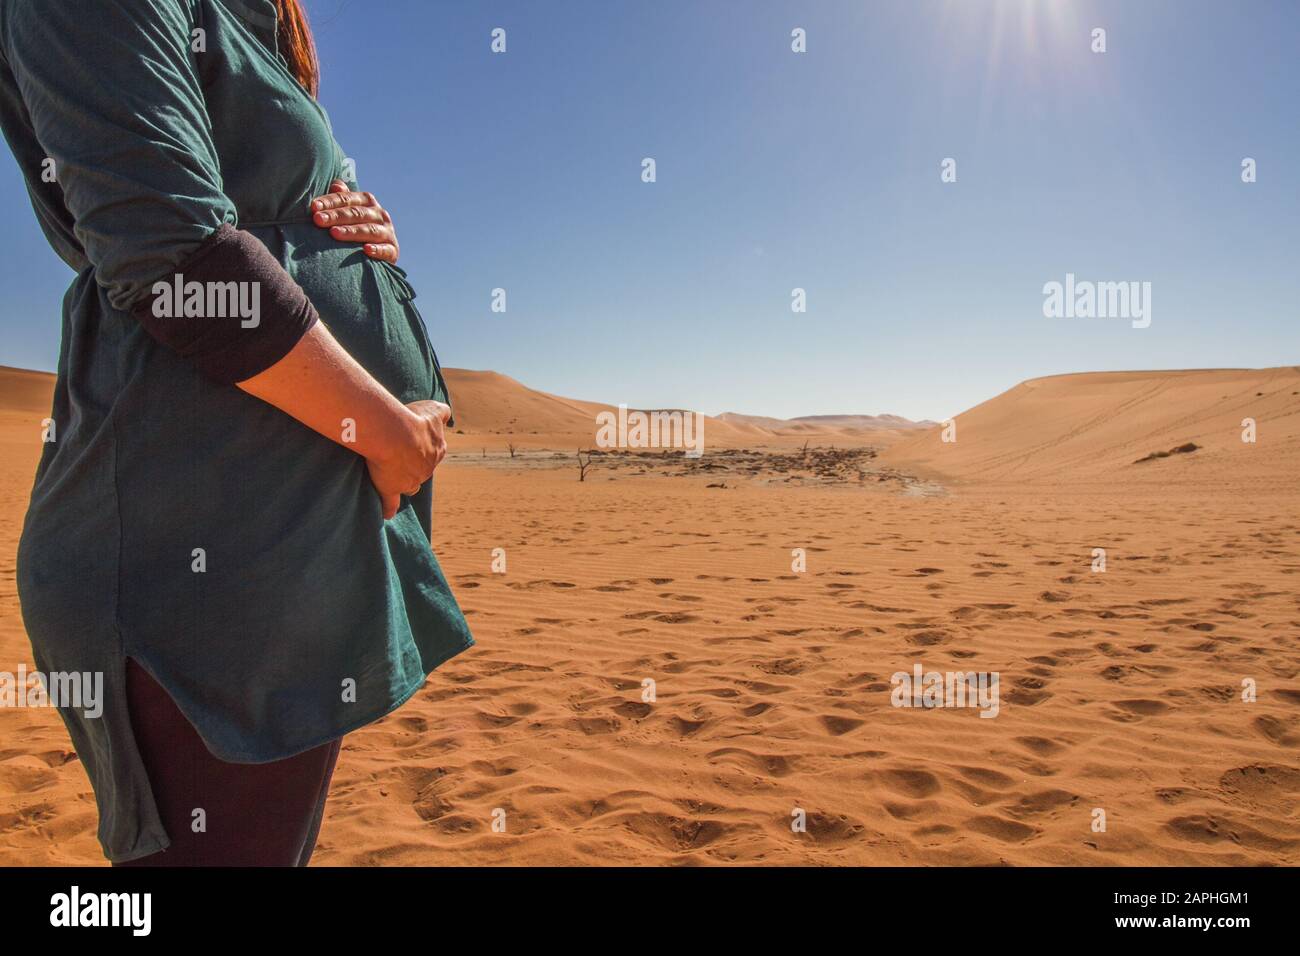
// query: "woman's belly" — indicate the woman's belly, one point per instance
point(366, 304)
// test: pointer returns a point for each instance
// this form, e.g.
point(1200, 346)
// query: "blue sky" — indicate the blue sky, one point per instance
point(820, 170)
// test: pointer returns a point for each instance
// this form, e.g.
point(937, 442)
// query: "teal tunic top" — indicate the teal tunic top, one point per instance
point(240, 557)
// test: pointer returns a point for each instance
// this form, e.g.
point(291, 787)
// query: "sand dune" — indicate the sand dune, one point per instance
point(1120, 690)
point(493, 409)
point(22, 390)
point(489, 403)
point(880, 429)
point(1095, 426)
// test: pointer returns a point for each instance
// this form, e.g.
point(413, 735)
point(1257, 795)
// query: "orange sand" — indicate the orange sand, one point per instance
point(1120, 691)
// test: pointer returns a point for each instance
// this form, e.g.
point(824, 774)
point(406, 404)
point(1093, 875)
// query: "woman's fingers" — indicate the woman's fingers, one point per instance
point(392, 484)
point(408, 467)
point(354, 216)
point(349, 214)
point(358, 231)
point(346, 206)
point(355, 225)
point(380, 241)
point(340, 195)
point(436, 414)
point(343, 198)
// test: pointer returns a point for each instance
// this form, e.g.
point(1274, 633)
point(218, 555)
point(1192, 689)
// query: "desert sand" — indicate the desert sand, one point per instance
point(1121, 691)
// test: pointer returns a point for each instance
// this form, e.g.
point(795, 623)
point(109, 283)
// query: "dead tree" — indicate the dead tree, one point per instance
point(583, 465)
point(511, 446)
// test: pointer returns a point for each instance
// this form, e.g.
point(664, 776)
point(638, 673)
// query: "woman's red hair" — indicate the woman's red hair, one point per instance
point(297, 46)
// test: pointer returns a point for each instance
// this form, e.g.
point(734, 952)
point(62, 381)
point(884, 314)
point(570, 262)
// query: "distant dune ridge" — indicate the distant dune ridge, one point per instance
point(866, 422)
point(492, 406)
point(1122, 685)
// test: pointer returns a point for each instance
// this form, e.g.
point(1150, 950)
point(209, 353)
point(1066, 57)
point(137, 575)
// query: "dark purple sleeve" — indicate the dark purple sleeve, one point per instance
point(224, 343)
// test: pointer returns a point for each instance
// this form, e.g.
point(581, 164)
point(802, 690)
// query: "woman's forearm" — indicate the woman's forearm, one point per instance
point(321, 385)
point(318, 383)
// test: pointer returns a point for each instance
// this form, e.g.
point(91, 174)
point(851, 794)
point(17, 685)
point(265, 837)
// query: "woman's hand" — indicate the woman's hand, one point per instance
point(402, 469)
point(357, 217)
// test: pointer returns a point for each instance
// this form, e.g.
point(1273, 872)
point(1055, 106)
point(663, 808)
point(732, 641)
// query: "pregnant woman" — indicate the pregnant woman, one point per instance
point(231, 518)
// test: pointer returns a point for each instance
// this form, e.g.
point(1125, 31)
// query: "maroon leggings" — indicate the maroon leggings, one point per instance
point(263, 814)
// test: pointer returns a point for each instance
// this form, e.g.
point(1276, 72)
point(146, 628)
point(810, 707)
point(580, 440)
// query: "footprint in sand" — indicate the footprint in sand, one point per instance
point(1027, 691)
point(987, 778)
point(1261, 780)
point(1042, 746)
point(911, 811)
point(929, 638)
point(837, 726)
point(915, 784)
point(827, 828)
point(1044, 801)
point(1137, 708)
point(1280, 733)
point(592, 726)
point(678, 834)
point(768, 765)
point(999, 828)
point(685, 598)
point(1208, 828)
point(683, 727)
